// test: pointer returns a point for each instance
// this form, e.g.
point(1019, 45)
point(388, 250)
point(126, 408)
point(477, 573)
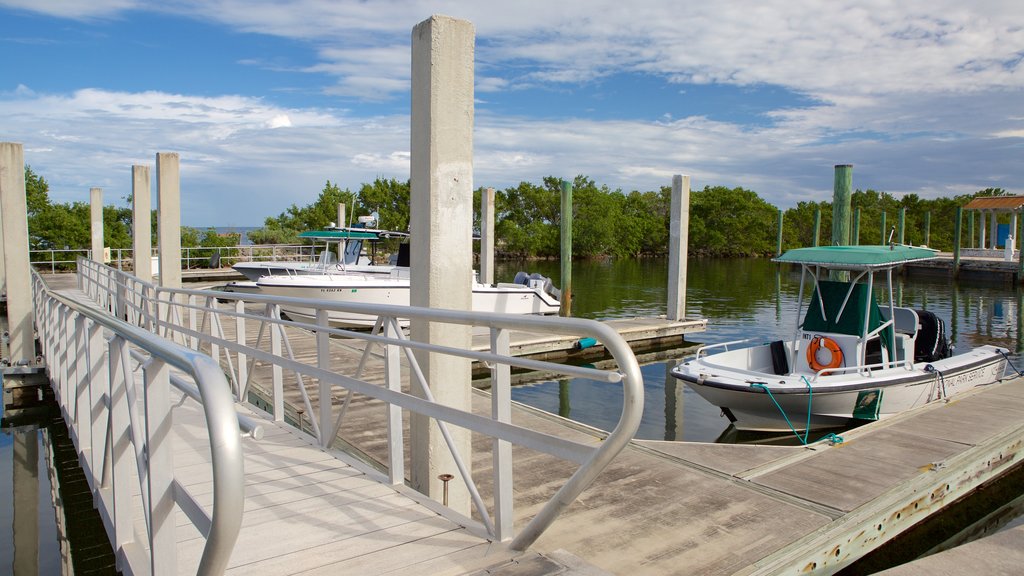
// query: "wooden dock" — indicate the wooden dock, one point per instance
point(660, 508)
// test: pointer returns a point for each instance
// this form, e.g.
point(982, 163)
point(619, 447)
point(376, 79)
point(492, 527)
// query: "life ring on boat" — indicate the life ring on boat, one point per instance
point(831, 345)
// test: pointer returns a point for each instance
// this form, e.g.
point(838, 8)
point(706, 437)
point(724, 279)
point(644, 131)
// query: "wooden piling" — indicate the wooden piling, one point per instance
point(841, 204)
point(566, 308)
point(928, 228)
point(817, 226)
point(956, 241)
point(778, 234)
point(855, 235)
point(884, 238)
point(1020, 254)
point(902, 225)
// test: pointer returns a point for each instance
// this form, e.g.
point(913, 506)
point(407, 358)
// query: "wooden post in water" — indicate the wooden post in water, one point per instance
point(14, 214)
point(956, 244)
point(884, 238)
point(817, 226)
point(928, 228)
point(487, 236)
point(778, 235)
point(441, 217)
point(855, 234)
point(678, 246)
point(902, 225)
point(142, 225)
point(168, 224)
point(566, 309)
point(1020, 258)
point(841, 204)
point(96, 223)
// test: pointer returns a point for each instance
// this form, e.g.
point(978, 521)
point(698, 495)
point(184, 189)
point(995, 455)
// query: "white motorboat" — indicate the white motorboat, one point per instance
point(849, 358)
point(528, 295)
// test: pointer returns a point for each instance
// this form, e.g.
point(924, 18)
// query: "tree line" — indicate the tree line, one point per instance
point(606, 223)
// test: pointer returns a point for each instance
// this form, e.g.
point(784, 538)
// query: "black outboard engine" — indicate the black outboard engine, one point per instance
point(931, 344)
point(548, 286)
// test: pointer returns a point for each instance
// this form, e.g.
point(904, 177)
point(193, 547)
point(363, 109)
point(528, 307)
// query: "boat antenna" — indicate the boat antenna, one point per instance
point(891, 232)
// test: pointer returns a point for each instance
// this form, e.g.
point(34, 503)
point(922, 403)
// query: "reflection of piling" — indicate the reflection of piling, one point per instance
point(26, 501)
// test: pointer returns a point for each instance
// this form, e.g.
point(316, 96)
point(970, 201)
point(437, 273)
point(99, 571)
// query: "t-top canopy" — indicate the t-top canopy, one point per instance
point(856, 257)
point(343, 235)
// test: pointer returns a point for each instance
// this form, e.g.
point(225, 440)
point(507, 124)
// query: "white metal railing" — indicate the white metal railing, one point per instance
point(217, 322)
point(52, 260)
point(120, 427)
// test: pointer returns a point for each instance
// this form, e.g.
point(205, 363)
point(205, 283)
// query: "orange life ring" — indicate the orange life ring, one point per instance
point(812, 353)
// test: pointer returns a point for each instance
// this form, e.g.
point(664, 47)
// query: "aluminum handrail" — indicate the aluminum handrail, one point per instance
point(223, 525)
point(167, 309)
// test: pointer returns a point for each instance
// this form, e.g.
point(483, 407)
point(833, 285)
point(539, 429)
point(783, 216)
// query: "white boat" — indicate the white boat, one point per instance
point(529, 295)
point(849, 358)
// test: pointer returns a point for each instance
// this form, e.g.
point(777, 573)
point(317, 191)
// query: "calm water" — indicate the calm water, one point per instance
point(741, 298)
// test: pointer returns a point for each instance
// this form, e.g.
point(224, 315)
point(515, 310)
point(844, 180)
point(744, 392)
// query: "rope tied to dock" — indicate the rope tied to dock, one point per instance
point(1009, 362)
point(831, 437)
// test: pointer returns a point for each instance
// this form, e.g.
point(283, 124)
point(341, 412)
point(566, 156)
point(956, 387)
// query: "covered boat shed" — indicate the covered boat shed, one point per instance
point(993, 206)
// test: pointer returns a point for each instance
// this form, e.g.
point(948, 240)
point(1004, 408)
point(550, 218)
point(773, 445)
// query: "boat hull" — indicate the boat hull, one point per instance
point(838, 400)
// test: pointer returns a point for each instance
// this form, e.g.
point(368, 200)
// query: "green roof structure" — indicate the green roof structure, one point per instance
point(856, 257)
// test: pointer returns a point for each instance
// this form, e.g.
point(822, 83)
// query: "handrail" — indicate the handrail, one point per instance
point(198, 317)
point(97, 400)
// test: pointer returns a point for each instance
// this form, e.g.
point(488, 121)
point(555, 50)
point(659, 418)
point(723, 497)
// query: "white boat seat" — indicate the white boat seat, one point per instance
point(906, 320)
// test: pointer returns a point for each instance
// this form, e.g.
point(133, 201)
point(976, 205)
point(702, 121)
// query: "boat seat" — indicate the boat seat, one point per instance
point(906, 320)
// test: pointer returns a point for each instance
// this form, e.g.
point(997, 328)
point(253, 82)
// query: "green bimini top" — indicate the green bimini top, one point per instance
point(337, 235)
point(856, 257)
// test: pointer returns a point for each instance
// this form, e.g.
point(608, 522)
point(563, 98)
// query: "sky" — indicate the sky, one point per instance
point(267, 100)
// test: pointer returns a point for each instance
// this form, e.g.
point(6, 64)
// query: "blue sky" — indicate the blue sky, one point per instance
point(266, 100)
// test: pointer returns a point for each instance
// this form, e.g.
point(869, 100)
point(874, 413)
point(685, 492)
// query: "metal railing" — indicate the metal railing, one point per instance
point(120, 426)
point(218, 322)
point(52, 260)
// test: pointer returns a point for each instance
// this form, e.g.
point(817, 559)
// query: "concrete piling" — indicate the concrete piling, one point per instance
point(487, 236)
point(14, 213)
point(566, 230)
point(678, 246)
point(142, 226)
point(168, 202)
point(96, 223)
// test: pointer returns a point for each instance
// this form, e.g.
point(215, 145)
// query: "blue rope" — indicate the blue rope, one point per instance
point(833, 438)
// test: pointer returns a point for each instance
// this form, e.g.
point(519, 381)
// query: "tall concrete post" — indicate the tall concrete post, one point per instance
point(566, 249)
point(487, 236)
point(14, 213)
point(341, 224)
point(142, 225)
point(96, 223)
point(441, 217)
point(168, 224)
point(841, 196)
point(678, 246)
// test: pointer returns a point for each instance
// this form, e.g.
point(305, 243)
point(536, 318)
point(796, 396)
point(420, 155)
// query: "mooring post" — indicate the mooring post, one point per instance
point(96, 223)
point(928, 228)
point(1020, 256)
point(341, 224)
point(566, 308)
point(487, 236)
point(14, 213)
point(841, 197)
point(168, 229)
point(884, 231)
point(441, 216)
point(956, 243)
point(902, 225)
point(817, 226)
point(142, 226)
point(778, 234)
point(855, 234)
point(678, 246)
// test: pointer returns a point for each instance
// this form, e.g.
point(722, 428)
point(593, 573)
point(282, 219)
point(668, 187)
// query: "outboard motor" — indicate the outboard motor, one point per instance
point(931, 344)
point(538, 280)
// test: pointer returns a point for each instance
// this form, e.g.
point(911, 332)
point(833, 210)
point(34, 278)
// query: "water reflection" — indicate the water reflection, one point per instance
point(741, 298)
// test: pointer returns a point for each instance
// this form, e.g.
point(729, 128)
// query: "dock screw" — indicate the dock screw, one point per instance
point(445, 478)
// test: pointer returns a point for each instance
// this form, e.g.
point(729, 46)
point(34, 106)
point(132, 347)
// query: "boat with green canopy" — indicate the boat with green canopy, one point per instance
point(848, 359)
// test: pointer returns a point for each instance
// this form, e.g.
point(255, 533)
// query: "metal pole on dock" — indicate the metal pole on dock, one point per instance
point(902, 225)
point(841, 204)
point(142, 225)
point(566, 308)
point(855, 235)
point(956, 243)
point(168, 224)
point(14, 214)
point(928, 228)
point(678, 246)
point(487, 236)
point(96, 223)
point(778, 235)
point(817, 225)
point(441, 216)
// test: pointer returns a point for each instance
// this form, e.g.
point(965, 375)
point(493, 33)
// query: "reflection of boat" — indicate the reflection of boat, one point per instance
point(351, 241)
point(528, 295)
point(849, 359)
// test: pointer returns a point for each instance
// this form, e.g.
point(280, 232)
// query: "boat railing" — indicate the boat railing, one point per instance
point(119, 420)
point(726, 346)
point(257, 347)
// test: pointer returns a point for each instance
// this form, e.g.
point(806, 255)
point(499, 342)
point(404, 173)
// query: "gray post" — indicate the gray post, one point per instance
point(168, 229)
point(487, 236)
point(993, 233)
point(341, 224)
point(142, 226)
point(778, 234)
point(1020, 261)
point(14, 213)
point(441, 216)
point(841, 196)
point(956, 245)
point(96, 223)
point(678, 246)
point(566, 250)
